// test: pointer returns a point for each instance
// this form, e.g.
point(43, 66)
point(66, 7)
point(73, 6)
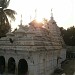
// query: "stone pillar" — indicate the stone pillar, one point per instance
point(6, 65)
point(16, 67)
point(59, 63)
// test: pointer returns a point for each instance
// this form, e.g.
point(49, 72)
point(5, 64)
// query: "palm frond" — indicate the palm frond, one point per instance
point(4, 3)
point(6, 19)
point(7, 3)
point(0, 3)
point(10, 13)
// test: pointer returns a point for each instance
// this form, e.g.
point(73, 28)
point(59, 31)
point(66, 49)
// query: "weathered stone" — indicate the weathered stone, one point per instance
point(42, 48)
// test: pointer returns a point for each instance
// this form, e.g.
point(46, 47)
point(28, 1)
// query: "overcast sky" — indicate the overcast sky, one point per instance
point(63, 11)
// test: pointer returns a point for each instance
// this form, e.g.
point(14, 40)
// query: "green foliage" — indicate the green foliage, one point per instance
point(4, 13)
point(68, 35)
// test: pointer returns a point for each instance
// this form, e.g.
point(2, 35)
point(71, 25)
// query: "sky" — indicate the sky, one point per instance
point(63, 11)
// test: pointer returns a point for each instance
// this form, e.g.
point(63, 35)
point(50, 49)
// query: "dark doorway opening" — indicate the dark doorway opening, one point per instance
point(2, 64)
point(22, 67)
point(11, 65)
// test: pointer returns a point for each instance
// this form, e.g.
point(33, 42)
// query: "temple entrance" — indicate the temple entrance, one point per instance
point(11, 65)
point(2, 64)
point(22, 67)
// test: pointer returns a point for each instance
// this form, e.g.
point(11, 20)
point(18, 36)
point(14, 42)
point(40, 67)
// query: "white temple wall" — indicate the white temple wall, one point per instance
point(45, 62)
point(63, 54)
point(39, 62)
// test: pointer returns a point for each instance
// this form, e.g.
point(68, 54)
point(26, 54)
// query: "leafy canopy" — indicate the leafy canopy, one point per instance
point(4, 14)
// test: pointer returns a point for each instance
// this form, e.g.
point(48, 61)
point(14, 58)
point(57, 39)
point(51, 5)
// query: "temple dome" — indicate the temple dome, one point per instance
point(10, 33)
point(52, 21)
point(36, 24)
point(20, 30)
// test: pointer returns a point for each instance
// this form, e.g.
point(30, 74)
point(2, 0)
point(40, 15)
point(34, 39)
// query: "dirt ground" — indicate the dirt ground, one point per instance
point(68, 67)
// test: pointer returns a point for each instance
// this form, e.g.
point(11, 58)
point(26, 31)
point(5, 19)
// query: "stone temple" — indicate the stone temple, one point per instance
point(35, 49)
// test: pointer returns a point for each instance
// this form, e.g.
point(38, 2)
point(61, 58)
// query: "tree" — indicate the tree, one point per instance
point(68, 35)
point(71, 35)
point(4, 14)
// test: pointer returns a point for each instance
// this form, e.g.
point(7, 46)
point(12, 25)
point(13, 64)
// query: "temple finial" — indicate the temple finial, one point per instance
point(21, 20)
point(51, 14)
point(35, 13)
point(30, 18)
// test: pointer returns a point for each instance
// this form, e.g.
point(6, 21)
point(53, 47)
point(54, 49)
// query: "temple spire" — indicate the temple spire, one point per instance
point(21, 20)
point(51, 15)
point(35, 14)
point(30, 18)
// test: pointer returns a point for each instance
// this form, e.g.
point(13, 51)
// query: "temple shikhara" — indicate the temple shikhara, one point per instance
point(35, 49)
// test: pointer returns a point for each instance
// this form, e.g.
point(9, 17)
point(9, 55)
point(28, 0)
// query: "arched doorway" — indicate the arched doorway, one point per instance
point(2, 64)
point(11, 65)
point(22, 67)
